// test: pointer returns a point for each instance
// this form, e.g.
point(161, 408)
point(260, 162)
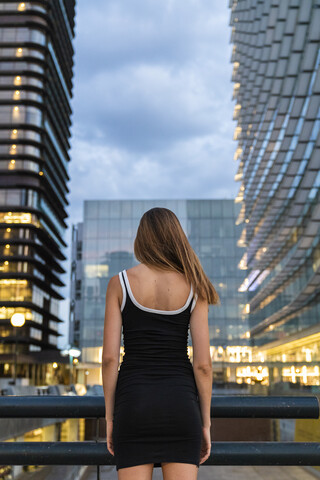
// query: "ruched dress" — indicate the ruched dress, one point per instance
point(156, 410)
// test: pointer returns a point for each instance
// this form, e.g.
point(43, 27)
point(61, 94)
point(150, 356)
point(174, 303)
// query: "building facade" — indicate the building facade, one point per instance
point(276, 58)
point(103, 245)
point(36, 62)
point(75, 285)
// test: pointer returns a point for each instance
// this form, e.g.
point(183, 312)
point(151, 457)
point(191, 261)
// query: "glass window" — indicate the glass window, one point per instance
point(303, 84)
point(103, 209)
point(103, 228)
point(314, 26)
point(18, 80)
point(126, 227)
point(32, 198)
point(205, 228)
point(137, 209)
point(23, 114)
point(193, 208)
point(90, 209)
point(205, 209)
point(91, 229)
point(281, 67)
point(294, 61)
point(182, 210)
point(115, 209)
point(38, 37)
point(290, 24)
point(126, 209)
point(115, 225)
point(288, 85)
point(228, 208)
point(299, 37)
point(126, 245)
point(286, 46)
point(21, 34)
point(309, 56)
point(216, 209)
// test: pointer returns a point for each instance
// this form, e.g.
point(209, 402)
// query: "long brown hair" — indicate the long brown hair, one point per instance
point(161, 243)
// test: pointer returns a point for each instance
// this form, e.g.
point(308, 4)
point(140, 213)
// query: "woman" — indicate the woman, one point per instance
point(158, 404)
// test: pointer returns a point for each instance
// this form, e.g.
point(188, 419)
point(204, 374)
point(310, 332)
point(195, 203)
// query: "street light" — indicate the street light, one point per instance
point(17, 320)
point(73, 352)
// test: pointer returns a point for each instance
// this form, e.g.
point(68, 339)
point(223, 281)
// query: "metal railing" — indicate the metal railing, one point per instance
point(222, 453)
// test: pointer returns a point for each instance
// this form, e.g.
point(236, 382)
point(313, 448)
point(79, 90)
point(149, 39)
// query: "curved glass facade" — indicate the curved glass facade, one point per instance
point(276, 75)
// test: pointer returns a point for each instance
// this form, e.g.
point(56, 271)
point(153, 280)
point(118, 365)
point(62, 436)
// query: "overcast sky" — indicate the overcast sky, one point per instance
point(152, 103)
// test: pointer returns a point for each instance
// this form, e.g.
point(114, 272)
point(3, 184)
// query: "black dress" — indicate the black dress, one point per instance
point(156, 412)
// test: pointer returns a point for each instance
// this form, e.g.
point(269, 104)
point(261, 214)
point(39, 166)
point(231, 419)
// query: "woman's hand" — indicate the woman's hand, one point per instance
point(109, 436)
point(205, 444)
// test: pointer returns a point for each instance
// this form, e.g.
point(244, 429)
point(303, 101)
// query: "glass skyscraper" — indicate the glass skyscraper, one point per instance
point(36, 62)
point(276, 58)
point(102, 246)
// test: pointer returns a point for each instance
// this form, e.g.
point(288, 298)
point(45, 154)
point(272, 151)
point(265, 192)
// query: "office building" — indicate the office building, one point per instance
point(276, 75)
point(36, 62)
point(102, 246)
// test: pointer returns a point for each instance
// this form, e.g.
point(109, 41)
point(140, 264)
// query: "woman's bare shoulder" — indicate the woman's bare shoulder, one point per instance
point(150, 278)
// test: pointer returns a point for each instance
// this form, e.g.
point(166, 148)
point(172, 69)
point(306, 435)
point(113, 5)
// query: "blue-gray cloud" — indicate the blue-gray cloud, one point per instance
point(152, 73)
point(167, 32)
point(152, 109)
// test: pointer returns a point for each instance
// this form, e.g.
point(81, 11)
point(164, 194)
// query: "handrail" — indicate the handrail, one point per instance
point(222, 453)
point(96, 452)
point(224, 406)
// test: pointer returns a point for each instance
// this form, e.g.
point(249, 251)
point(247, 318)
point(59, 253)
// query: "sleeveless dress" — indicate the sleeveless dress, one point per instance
point(156, 409)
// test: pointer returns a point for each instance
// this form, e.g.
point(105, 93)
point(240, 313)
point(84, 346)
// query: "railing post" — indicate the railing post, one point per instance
point(97, 439)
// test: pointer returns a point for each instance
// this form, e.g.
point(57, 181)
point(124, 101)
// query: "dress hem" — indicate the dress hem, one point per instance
point(156, 463)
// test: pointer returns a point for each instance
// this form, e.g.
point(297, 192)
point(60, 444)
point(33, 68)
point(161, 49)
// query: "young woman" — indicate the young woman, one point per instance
point(158, 404)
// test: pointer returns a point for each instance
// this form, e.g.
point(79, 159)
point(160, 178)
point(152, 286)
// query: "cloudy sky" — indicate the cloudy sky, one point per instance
point(152, 102)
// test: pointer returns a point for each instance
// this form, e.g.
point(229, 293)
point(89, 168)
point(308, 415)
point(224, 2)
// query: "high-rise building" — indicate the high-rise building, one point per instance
point(276, 58)
point(102, 246)
point(36, 69)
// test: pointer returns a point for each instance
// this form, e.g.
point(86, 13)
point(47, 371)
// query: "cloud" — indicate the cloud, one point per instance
point(167, 32)
point(147, 108)
point(152, 100)
point(119, 174)
point(153, 72)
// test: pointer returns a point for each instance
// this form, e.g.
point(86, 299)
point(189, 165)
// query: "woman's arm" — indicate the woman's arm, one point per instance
point(111, 344)
point(202, 364)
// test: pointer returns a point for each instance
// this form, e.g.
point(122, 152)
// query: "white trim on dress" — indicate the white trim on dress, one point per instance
point(124, 293)
point(147, 309)
point(194, 302)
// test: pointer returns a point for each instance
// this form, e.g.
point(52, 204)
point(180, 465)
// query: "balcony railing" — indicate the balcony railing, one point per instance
point(222, 453)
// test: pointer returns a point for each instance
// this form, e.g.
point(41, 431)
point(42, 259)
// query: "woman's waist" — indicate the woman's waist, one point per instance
point(147, 359)
point(136, 375)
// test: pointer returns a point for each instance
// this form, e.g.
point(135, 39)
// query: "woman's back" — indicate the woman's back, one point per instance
point(158, 289)
point(155, 324)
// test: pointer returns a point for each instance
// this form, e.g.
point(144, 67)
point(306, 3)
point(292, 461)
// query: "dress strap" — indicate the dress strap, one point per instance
point(195, 298)
point(124, 290)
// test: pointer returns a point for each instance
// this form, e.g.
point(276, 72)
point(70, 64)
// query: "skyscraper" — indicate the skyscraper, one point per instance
point(36, 63)
point(276, 58)
point(102, 245)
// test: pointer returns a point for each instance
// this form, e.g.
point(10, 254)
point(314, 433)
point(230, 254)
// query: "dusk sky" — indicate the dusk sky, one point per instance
point(152, 104)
